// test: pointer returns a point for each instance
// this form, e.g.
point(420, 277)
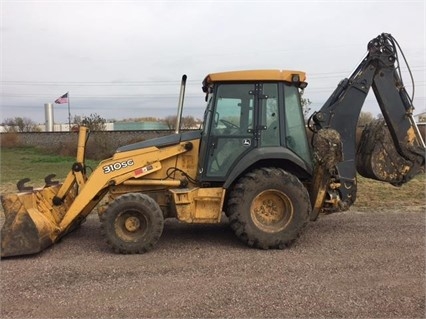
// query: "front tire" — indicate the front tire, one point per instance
point(132, 223)
point(268, 208)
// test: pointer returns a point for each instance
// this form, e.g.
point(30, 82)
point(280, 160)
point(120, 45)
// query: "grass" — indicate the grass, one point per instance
point(373, 194)
point(18, 163)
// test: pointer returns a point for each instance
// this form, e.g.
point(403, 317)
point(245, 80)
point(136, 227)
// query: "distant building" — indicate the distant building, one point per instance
point(143, 126)
point(420, 118)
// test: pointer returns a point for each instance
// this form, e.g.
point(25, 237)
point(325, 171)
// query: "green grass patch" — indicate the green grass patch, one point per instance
point(19, 163)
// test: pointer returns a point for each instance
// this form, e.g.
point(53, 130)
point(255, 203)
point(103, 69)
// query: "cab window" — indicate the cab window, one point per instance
point(270, 136)
point(296, 138)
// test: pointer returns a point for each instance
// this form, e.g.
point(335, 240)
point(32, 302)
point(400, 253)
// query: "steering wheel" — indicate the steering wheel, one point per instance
point(229, 124)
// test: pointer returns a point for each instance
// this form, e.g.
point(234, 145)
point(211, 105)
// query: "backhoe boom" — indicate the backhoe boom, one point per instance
point(392, 151)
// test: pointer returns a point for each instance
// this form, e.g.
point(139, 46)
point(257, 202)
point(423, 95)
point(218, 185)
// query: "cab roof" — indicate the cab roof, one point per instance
point(254, 75)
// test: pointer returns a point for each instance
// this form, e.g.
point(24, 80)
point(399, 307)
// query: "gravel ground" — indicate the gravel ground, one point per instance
point(346, 265)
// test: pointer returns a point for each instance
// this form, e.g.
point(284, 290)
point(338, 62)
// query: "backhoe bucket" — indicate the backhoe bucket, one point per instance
point(377, 157)
point(31, 220)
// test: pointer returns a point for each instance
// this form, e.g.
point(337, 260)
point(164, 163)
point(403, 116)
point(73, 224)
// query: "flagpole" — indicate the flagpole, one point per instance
point(69, 113)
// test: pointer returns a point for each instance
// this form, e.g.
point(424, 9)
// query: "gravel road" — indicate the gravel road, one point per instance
point(346, 265)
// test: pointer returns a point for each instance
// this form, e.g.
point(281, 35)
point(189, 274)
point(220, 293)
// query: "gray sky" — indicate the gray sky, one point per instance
point(125, 59)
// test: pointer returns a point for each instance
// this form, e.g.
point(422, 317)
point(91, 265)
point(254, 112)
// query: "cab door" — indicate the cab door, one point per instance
point(230, 132)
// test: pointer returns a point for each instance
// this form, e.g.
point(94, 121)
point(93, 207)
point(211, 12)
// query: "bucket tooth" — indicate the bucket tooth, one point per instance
point(48, 180)
point(22, 187)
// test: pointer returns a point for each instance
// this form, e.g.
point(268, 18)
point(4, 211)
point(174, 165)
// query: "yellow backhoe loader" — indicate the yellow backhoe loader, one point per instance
point(251, 160)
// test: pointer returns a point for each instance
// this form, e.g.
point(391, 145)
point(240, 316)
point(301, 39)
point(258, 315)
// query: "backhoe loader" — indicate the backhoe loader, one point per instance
point(251, 160)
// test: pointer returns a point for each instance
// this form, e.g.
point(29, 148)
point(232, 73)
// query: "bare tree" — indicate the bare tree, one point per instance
point(305, 105)
point(365, 118)
point(170, 121)
point(188, 122)
point(94, 122)
point(20, 124)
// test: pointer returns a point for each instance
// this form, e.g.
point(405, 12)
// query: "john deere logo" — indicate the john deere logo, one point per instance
point(246, 142)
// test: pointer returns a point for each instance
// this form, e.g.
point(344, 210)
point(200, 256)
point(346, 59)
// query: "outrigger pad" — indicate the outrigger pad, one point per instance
point(377, 157)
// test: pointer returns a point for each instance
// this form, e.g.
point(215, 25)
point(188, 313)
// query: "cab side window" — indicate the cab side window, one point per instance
point(271, 135)
point(296, 138)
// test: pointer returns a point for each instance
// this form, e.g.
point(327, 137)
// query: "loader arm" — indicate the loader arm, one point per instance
point(392, 150)
point(122, 167)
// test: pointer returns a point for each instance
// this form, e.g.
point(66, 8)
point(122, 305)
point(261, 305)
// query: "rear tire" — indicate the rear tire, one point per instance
point(268, 208)
point(132, 223)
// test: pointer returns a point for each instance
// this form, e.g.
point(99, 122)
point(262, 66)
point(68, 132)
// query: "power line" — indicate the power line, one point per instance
point(95, 83)
point(159, 82)
point(159, 95)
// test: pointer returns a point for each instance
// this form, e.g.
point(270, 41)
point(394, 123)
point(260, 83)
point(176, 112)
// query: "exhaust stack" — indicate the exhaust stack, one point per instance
point(180, 103)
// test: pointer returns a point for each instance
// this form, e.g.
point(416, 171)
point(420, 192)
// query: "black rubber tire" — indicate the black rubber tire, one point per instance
point(268, 208)
point(132, 223)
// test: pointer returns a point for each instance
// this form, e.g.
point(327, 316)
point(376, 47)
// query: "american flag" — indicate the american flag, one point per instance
point(63, 99)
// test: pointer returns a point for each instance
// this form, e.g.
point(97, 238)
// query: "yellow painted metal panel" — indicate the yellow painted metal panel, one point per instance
point(199, 205)
point(254, 75)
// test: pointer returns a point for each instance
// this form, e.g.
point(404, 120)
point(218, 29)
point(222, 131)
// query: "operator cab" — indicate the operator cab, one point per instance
point(252, 116)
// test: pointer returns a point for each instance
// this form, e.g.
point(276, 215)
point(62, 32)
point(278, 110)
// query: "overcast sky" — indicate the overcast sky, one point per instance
point(125, 59)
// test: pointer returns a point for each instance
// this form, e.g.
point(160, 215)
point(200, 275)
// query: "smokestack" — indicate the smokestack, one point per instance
point(48, 115)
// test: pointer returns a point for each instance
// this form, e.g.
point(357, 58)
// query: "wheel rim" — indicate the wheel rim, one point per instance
point(271, 211)
point(131, 226)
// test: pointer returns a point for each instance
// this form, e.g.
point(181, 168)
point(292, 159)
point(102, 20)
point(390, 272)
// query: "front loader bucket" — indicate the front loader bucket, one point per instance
point(36, 218)
point(378, 158)
point(31, 220)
